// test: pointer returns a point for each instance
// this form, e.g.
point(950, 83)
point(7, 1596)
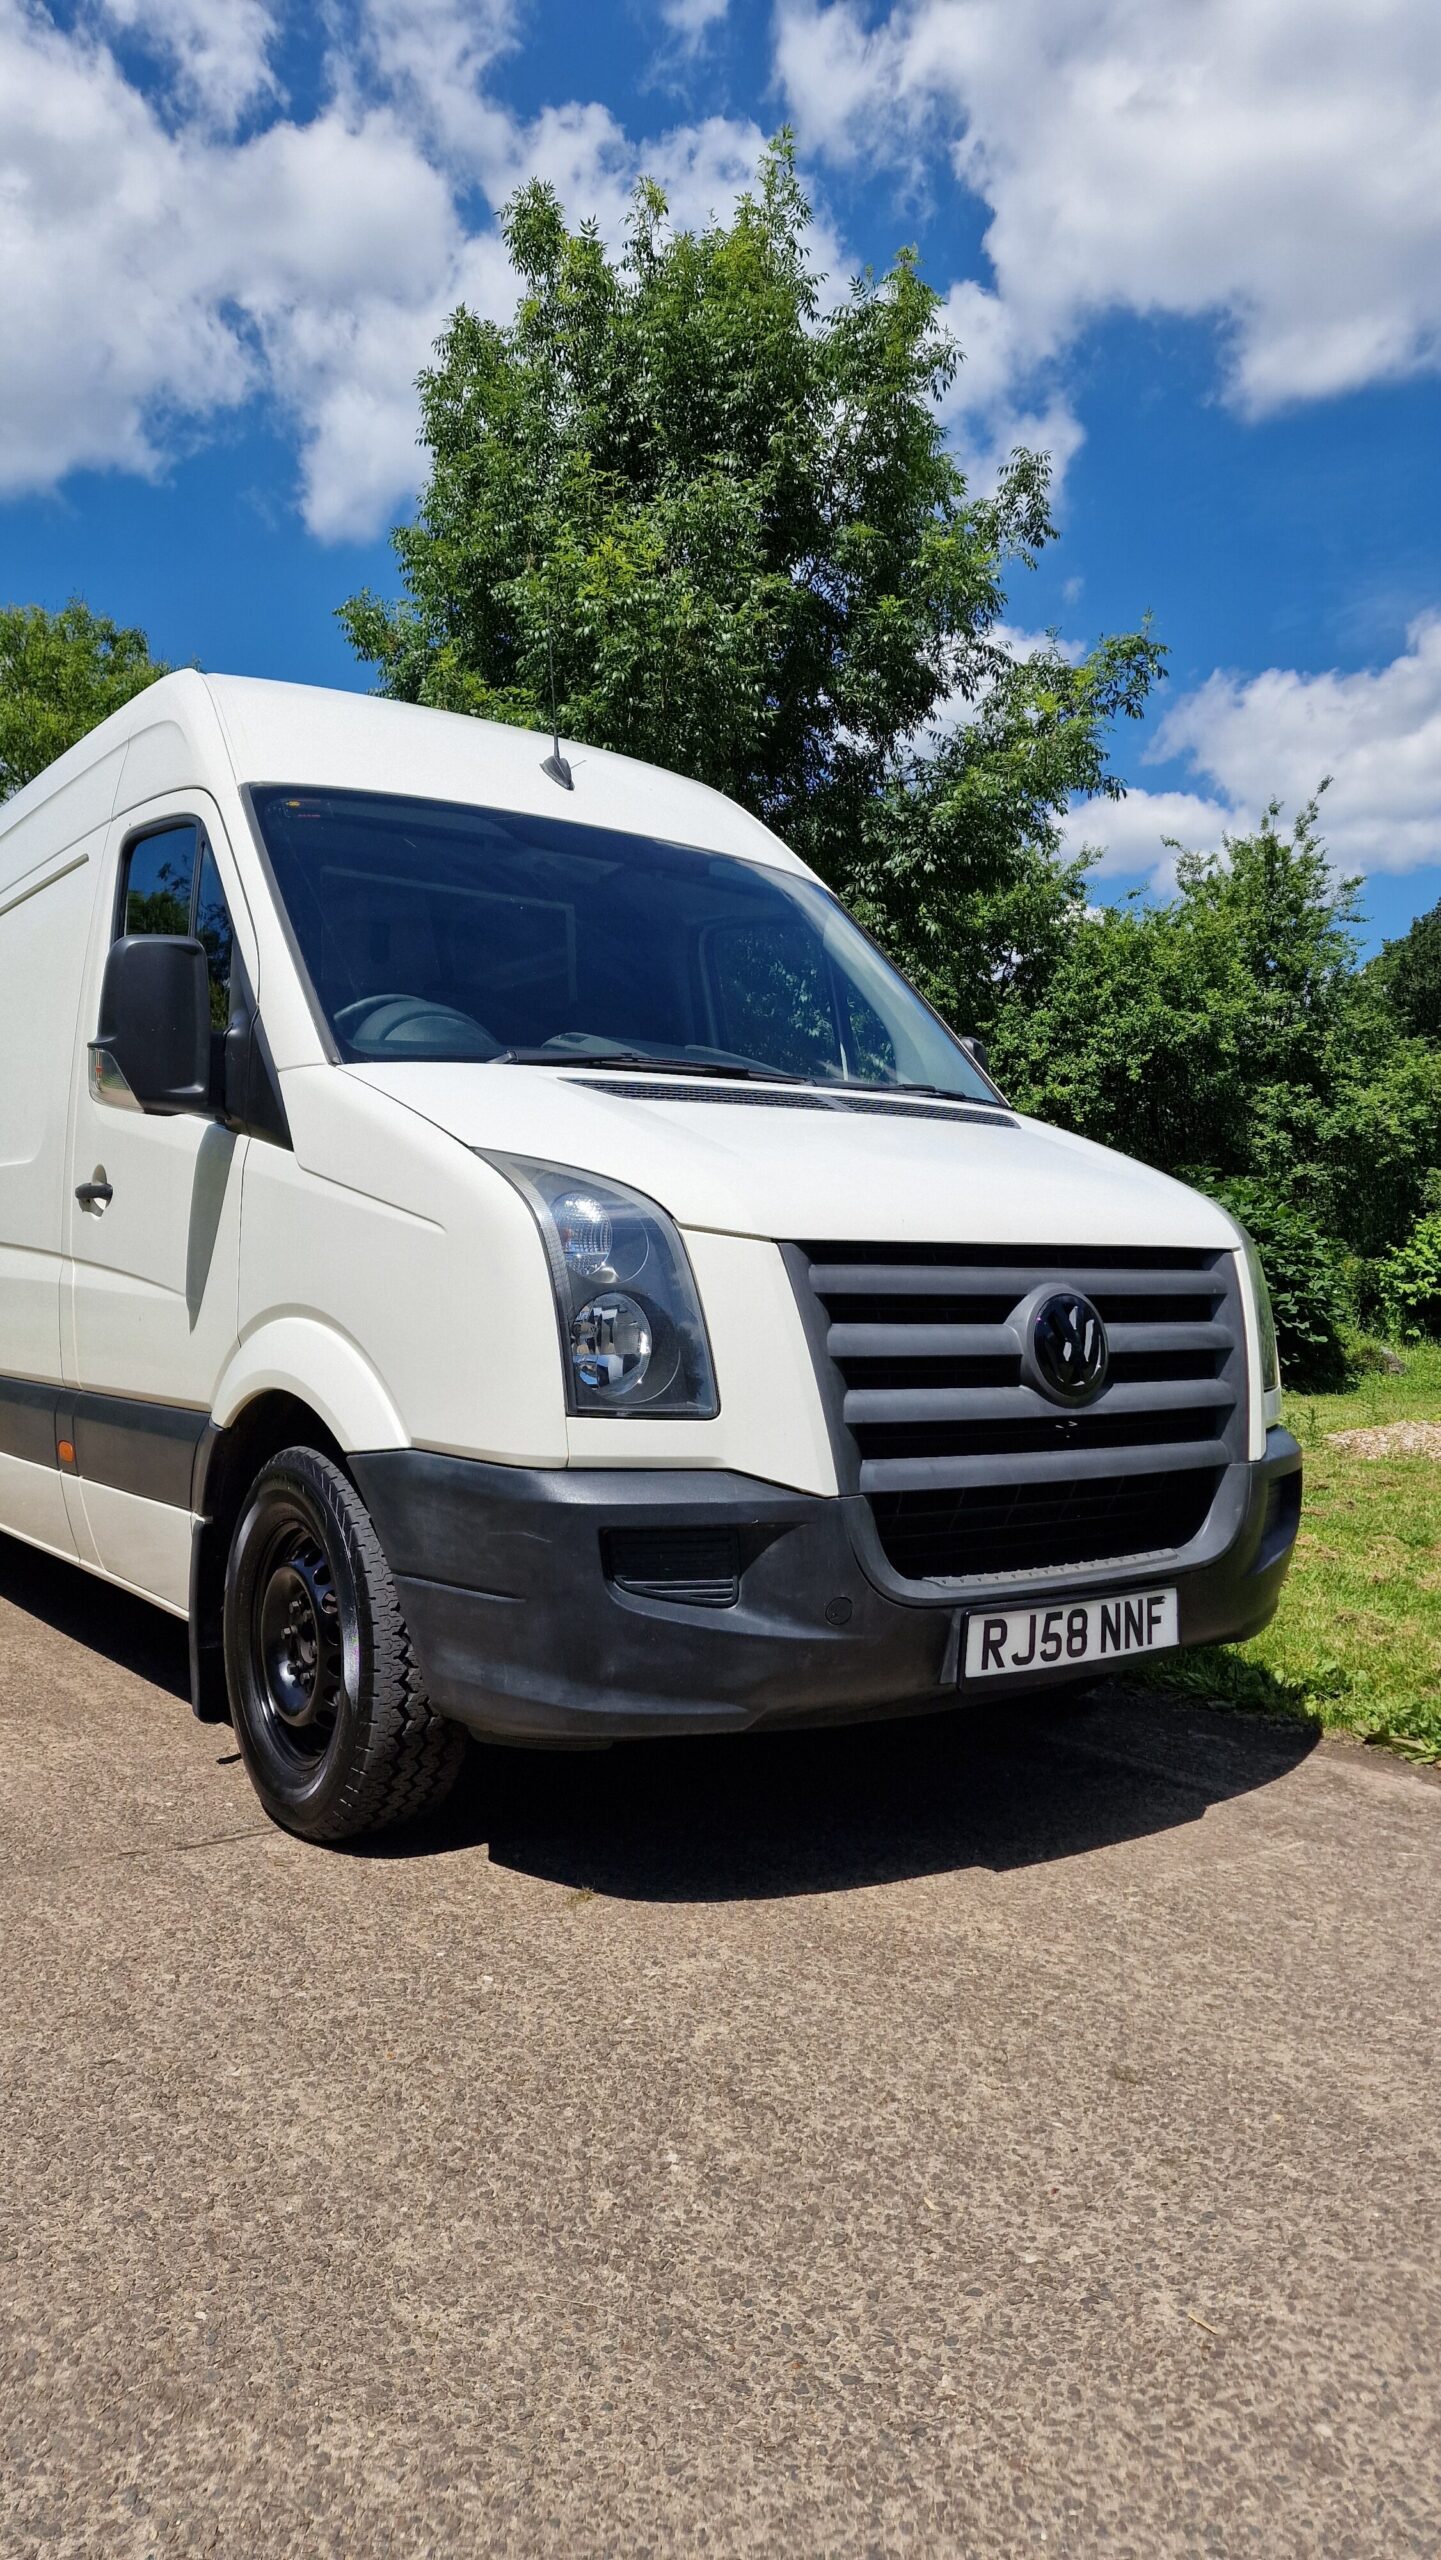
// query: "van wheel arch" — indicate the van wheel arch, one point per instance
point(227, 1463)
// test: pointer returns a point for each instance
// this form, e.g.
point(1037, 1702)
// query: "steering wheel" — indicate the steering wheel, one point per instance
point(399, 1021)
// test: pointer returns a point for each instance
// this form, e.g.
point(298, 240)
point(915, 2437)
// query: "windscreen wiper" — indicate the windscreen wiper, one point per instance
point(582, 1060)
point(941, 1092)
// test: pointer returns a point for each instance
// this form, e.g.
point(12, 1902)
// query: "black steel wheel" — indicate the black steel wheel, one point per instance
point(326, 1696)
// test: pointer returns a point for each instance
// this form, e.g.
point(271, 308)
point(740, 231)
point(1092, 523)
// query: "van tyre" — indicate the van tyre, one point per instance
point(329, 1710)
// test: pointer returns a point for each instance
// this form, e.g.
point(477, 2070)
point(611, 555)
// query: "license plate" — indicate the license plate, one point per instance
point(1073, 1631)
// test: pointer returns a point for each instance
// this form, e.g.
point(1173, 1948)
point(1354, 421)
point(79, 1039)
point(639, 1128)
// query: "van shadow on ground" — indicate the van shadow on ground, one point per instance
point(761, 1815)
point(129, 1633)
point(1007, 1784)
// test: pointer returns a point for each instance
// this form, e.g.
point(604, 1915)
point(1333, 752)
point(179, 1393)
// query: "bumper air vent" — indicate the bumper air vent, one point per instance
point(700, 1568)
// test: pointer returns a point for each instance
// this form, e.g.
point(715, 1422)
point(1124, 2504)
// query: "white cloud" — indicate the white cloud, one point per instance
point(346, 372)
point(431, 59)
point(219, 57)
point(104, 331)
point(693, 19)
point(1004, 392)
point(1376, 732)
point(1019, 643)
point(1134, 836)
point(313, 263)
point(591, 162)
point(1270, 164)
point(193, 272)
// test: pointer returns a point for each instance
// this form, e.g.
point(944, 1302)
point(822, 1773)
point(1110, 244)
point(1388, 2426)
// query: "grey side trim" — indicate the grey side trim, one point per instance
point(145, 1449)
point(27, 1421)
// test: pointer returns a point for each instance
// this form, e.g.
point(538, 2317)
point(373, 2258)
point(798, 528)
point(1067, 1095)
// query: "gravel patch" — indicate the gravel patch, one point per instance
point(1392, 1440)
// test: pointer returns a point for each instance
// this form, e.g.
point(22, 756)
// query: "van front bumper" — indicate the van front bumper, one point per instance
point(584, 1605)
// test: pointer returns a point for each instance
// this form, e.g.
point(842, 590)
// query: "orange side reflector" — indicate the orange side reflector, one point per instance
point(65, 1452)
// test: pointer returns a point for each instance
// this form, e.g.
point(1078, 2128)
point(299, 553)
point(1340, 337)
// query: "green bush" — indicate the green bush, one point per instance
point(1368, 1358)
point(1303, 1272)
point(1410, 1282)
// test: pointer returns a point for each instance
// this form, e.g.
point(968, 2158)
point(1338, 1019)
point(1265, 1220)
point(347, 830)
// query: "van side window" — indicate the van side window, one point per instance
point(159, 873)
point(172, 886)
point(214, 929)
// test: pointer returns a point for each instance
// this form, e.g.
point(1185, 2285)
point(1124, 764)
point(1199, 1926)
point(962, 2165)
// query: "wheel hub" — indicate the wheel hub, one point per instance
point(299, 1633)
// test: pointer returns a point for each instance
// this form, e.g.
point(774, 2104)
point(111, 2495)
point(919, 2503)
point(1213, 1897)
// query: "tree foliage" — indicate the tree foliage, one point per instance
point(1229, 1037)
point(1410, 1281)
point(1409, 972)
point(729, 516)
point(1308, 1295)
point(60, 673)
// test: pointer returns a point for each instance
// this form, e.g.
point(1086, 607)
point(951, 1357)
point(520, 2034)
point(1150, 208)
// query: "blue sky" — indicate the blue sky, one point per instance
point(1193, 247)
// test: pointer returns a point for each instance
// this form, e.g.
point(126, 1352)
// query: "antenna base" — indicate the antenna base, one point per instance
point(559, 771)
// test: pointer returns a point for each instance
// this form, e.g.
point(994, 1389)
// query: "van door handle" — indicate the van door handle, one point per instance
point(93, 1195)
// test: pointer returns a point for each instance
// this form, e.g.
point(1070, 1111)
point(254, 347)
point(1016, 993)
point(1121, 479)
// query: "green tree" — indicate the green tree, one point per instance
point(1138, 1039)
point(60, 673)
point(1228, 1035)
point(1308, 1297)
point(1409, 973)
point(1292, 925)
point(731, 517)
point(955, 864)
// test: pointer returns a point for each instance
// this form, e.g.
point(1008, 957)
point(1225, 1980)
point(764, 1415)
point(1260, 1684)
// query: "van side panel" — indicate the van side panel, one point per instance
point(45, 909)
point(44, 930)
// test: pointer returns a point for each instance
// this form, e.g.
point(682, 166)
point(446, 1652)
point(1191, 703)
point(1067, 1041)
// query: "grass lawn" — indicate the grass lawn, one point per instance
point(1356, 1642)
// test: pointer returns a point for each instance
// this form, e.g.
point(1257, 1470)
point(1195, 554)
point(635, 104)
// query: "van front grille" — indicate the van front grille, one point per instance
point(972, 1470)
point(1034, 1527)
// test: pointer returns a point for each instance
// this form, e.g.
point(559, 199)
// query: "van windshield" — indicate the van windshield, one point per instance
point(437, 931)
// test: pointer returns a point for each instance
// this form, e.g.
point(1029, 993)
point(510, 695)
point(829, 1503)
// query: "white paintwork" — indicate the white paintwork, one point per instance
point(813, 1173)
point(383, 1230)
point(32, 1506)
point(1261, 1410)
point(144, 1545)
point(382, 1271)
point(295, 1355)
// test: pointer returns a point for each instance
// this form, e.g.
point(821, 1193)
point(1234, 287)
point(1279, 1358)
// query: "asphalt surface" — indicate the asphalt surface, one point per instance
point(978, 2137)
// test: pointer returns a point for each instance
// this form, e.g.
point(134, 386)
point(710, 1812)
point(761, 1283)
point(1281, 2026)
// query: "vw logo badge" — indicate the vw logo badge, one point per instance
point(1067, 1343)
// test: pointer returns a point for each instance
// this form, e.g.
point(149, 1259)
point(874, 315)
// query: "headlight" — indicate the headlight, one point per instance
point(1265, 1331)
point(633, 1339)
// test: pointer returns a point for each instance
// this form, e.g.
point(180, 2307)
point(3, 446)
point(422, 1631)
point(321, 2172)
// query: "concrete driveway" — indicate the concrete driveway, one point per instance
point(950, 2138)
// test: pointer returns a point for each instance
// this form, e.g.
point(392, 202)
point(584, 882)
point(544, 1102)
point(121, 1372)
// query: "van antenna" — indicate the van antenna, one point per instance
point(555, 764)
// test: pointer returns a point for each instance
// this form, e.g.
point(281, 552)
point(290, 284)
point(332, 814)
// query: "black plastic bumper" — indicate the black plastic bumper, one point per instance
point(511, 1580)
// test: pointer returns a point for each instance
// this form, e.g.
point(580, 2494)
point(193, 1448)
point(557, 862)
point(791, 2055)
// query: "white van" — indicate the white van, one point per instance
point(486, 1238)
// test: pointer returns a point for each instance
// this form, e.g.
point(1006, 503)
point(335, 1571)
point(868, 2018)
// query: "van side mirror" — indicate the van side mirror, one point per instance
point(152, 1048)
point(979, 1050)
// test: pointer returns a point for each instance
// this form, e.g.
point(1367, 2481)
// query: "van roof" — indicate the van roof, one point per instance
point(188, 728)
